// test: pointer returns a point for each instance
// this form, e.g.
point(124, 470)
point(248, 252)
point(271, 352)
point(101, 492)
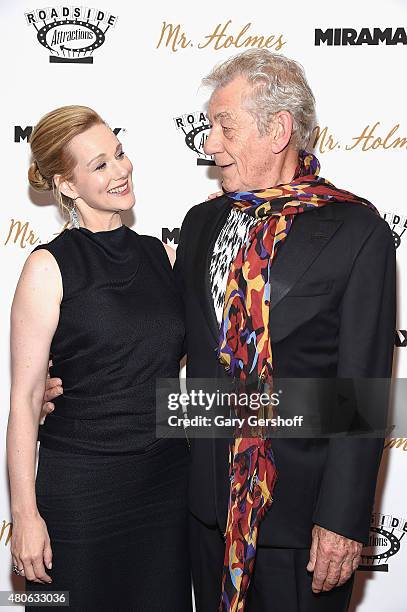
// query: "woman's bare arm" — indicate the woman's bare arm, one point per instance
point(171, 253)
point(34, 318)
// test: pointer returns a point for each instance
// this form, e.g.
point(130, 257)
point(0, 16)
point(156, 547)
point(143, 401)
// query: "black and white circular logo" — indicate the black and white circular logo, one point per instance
point(195, 127)
point(386, 534)
point(71, 34)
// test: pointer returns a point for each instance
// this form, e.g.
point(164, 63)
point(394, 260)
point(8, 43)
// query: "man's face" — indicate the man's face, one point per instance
point(244, 156)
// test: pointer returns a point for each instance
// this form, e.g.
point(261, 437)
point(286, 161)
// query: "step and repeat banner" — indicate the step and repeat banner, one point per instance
point(140, 67)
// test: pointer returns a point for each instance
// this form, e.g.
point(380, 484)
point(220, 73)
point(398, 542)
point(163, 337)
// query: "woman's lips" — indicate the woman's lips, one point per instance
point(120, 193)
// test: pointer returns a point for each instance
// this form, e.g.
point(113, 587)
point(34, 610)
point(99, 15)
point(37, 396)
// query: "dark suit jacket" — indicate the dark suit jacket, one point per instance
point(332, 314)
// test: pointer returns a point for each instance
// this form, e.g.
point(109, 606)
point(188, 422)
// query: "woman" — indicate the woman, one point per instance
point(105, 518)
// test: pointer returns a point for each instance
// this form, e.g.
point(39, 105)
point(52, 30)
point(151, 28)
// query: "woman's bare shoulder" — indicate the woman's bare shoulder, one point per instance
point(41, 272)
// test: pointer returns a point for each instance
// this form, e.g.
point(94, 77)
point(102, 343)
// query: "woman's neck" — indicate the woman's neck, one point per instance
point(100, 222)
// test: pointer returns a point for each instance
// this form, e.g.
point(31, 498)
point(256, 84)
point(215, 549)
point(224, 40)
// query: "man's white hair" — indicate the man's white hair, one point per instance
point(278, 83)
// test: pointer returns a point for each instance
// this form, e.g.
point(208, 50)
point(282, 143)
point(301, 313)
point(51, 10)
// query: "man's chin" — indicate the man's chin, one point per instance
point(228, 187)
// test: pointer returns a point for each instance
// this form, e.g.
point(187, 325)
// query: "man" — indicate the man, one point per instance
point(332, 314)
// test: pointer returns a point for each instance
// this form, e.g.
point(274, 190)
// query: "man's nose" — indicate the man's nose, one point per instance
point(213, 144)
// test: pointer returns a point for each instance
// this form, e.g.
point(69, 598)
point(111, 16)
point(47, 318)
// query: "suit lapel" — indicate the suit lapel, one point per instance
point(301, 247)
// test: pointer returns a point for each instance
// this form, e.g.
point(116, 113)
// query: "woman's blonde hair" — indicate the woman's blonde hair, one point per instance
point(49, 142)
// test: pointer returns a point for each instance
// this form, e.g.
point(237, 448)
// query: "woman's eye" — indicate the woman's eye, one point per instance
point(103, 164)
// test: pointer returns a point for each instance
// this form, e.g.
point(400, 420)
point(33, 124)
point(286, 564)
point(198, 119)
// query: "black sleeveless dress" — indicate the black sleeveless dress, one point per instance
point(112, 495)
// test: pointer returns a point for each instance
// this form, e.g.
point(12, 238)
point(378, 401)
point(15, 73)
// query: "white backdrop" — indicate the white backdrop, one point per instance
point(145, 83)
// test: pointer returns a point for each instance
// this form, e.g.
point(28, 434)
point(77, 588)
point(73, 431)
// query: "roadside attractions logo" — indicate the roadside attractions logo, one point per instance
point(397, 224)
point(195, 127)
point(400, 339)
point(71, 33)
point(386, 534)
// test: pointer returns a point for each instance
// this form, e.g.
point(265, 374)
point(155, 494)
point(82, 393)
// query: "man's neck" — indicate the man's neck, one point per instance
point(284, 168)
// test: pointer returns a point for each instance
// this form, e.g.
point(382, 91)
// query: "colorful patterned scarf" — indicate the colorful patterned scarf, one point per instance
point(245, 352)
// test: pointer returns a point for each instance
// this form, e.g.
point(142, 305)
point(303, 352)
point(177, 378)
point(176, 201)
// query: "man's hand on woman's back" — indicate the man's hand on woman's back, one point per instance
point(53, 388)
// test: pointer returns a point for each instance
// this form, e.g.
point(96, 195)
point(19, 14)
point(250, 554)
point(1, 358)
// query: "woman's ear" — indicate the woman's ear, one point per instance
point(65, 187)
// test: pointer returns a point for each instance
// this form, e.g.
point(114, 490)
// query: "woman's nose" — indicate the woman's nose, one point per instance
point(120, 171)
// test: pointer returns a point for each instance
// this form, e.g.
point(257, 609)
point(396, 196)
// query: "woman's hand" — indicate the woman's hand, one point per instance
point(212, 196)
point(31, 548)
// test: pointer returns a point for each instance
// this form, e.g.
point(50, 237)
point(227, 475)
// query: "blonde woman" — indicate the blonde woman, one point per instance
point(105, 518)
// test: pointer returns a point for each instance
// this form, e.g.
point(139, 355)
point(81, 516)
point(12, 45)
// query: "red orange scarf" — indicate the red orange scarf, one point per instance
point(245, 351)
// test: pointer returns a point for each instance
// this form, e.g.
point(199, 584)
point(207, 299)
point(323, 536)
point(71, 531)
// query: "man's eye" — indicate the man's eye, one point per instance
point(121, 154)
point(227, 132)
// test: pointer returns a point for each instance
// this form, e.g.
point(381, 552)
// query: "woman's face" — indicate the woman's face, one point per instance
point(102, 177)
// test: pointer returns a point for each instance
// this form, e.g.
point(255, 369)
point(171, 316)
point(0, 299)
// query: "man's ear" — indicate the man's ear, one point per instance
point(281, 131)
point(65, 187)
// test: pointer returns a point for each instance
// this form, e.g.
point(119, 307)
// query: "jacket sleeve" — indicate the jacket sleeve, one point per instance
point(179, 266)
point(366, 342)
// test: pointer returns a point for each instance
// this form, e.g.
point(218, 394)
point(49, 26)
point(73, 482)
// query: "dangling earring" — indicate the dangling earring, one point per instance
point(73, 215)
